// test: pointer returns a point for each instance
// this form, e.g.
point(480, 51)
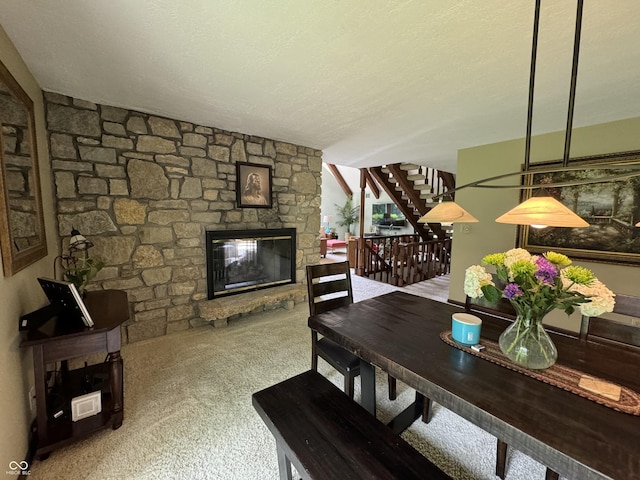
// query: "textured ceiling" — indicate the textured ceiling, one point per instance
point(368, 81)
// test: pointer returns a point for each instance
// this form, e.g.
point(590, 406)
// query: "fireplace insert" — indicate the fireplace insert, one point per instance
point(244, 260)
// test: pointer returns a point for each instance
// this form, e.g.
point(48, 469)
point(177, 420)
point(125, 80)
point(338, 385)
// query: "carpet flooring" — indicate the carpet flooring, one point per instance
point(188, 412)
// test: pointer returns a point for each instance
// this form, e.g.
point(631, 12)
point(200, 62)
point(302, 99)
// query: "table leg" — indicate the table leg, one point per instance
point(404, 419)
point(501, 458)
point(115, 366)
point(40, 381)
point(284, 465)
point(368, 386)
point(551, 475)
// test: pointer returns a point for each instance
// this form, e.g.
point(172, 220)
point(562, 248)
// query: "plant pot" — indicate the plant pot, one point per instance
point(526, 343)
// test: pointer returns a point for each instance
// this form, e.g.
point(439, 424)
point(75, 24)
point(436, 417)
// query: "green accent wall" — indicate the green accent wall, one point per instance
point(474, 240)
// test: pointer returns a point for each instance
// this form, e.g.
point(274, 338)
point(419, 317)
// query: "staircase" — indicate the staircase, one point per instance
point(411, 187)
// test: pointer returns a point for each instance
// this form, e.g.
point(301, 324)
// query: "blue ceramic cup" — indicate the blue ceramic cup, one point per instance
point(465, 328)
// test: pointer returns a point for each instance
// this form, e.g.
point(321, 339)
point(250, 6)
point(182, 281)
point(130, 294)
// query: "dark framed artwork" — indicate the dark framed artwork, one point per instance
point(253, 185)
point(611, 208)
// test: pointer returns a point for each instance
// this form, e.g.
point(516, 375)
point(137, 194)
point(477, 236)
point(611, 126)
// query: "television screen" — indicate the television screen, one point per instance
point(387, 214)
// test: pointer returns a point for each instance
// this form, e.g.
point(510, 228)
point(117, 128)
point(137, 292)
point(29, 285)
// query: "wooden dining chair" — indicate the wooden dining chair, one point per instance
point(502, 309)
point(607, 330)
point(329, 287)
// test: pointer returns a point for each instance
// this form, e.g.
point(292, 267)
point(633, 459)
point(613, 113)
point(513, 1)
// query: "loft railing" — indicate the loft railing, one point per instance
point(418, 261)
point(402, 259)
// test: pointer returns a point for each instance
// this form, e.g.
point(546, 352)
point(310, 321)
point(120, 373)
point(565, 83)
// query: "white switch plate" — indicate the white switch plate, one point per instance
point(86, 405)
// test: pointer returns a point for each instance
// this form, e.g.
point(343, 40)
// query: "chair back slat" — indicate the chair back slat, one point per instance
point(327, 269)
point(599, 329)
point(502, 309)
point(328, 287)
point(613, 330)
point(627, 305)
point(331, 304)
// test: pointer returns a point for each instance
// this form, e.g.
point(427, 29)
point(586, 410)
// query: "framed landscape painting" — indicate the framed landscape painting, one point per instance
point(253, 185)
point(611, 208)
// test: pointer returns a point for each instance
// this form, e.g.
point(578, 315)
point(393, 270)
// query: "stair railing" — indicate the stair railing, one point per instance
point(403, 259)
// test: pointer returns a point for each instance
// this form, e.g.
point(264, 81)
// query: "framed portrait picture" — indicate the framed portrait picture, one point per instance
point(611, 208)
point(253, 185)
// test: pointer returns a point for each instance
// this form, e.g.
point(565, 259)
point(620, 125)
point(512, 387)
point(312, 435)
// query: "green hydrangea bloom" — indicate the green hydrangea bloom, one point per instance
point(557, 259)
point(496, 259)
point(579, 275)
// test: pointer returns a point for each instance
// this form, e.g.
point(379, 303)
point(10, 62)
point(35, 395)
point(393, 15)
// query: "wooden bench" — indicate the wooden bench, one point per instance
point(333, 244)
point(327, 436)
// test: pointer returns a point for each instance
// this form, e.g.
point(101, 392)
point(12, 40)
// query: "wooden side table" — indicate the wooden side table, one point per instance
point(61, 339)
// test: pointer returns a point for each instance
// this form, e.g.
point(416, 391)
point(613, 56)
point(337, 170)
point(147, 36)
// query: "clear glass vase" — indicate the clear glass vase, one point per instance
point(526, 342)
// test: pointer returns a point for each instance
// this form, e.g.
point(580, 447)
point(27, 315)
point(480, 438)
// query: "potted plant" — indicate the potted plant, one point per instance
point(80, 271)
point(348, 215)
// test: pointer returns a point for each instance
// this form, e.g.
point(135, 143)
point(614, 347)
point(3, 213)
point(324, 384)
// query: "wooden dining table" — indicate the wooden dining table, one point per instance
point(574, 436)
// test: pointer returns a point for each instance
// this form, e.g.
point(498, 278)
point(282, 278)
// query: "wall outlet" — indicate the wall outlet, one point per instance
point(32, 399)
point(466, 228)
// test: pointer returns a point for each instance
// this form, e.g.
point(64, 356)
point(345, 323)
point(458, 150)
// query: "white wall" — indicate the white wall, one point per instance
point(20, 293)
point(332, 194)
point(487, 236)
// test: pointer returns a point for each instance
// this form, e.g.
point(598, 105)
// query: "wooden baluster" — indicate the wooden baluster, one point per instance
point(415, 267)
point(398, 264)
point(410, 262)
point(424, 260)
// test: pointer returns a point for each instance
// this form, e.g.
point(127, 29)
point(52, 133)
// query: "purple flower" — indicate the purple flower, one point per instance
point(512, 290)
point(546, 271)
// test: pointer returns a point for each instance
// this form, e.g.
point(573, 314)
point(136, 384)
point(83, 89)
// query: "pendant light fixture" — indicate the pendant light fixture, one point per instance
point(540, 210)
point(447, 211)
point(544, 210)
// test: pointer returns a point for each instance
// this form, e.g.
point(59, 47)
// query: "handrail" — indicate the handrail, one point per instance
point(402, 259)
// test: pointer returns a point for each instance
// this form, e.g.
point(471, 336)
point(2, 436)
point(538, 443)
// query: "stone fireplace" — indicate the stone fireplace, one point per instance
point(246, 260)
point(146, 189)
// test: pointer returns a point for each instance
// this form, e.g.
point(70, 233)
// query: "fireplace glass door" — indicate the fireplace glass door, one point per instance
point(241, 260)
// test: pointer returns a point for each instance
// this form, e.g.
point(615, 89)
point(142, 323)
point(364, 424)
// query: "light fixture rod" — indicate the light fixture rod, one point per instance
point(631, 165)
point(532, 81)
point(574, 78)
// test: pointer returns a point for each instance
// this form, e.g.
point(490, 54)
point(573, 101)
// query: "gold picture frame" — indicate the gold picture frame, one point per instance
point(611, 208)
point(22, 235)
point(253, 185)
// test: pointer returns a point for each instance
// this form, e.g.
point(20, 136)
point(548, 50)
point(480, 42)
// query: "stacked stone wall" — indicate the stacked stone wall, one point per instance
point(144, 189)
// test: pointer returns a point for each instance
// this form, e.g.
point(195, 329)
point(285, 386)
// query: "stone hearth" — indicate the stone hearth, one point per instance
point(219, 311)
